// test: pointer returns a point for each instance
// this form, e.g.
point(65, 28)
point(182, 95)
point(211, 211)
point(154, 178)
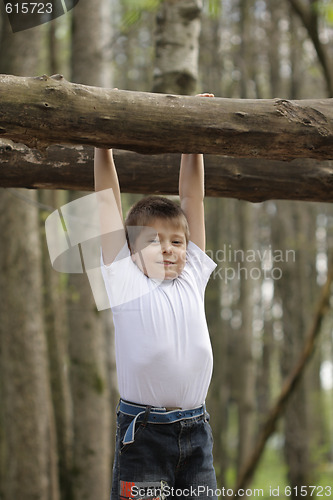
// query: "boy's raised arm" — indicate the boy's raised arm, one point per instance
point(109, 202)
point(192, 192)
point(105, 173)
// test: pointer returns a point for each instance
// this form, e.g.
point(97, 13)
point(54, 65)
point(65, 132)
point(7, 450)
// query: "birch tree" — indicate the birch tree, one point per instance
point(177, 47)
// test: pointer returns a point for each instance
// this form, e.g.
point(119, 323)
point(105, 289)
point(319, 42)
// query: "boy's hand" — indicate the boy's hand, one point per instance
point(206, 94)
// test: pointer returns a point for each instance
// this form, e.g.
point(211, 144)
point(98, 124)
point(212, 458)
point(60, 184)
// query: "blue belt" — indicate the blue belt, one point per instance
point(154, 415)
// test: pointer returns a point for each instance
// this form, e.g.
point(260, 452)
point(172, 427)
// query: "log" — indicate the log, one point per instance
point(71, 167)
point(40, 111)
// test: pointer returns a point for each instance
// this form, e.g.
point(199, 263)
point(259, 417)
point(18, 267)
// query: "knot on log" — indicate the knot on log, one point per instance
point(57, 77)
point(6, 146)
point(305, 115)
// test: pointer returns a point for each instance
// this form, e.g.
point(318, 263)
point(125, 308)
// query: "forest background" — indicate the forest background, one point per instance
point(58, 389)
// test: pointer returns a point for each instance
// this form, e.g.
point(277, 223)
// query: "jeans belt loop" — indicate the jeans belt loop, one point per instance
point(146, 416)
point(205, 412)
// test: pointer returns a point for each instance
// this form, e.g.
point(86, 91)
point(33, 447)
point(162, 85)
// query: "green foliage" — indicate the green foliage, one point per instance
point(214, 8)
point(325, 8)
point(272, 470)
point(133, 10)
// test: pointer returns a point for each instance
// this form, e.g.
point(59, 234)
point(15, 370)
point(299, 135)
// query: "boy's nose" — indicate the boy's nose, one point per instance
point(167, 248)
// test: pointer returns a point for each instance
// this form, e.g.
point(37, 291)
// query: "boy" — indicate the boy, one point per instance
point(155, 275)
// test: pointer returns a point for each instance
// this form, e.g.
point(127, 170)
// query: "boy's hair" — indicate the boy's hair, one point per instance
point(150, 208)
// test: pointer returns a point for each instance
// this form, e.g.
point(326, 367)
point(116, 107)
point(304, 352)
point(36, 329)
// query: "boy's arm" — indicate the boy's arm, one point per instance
point(192, 192)
point(109, 202)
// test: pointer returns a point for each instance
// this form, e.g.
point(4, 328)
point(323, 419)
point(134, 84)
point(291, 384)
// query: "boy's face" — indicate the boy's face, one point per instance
point(160, 250)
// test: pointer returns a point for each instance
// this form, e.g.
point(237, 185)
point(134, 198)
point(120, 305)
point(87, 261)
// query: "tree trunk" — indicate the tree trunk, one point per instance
point(292, 289)
point(274, 48)
point(42, 111)
point(26, 407)
point(28, 459)
point(244, 47)
point(245, 377)
point(296, 48)
point(56, 327)
point(88, 353)
point(219, 392)
point(177, 47)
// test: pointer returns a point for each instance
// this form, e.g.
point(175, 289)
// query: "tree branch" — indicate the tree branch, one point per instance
point(49, 110)
point(309, 17)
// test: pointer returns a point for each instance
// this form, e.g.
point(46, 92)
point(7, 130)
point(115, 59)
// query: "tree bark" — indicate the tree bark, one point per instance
point(56, 328)
point(28, 451)
point(42, 111)
point(299, 278)
point(177, 47)
point(87, 342)
point(28, 457)
point(65, 167)
point(246, 369)
point(219, 393)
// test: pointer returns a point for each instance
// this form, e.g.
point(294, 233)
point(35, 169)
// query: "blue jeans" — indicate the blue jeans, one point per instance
point(165, 461)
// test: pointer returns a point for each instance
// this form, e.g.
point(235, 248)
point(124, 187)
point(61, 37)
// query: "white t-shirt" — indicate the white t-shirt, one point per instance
point(163, 350)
